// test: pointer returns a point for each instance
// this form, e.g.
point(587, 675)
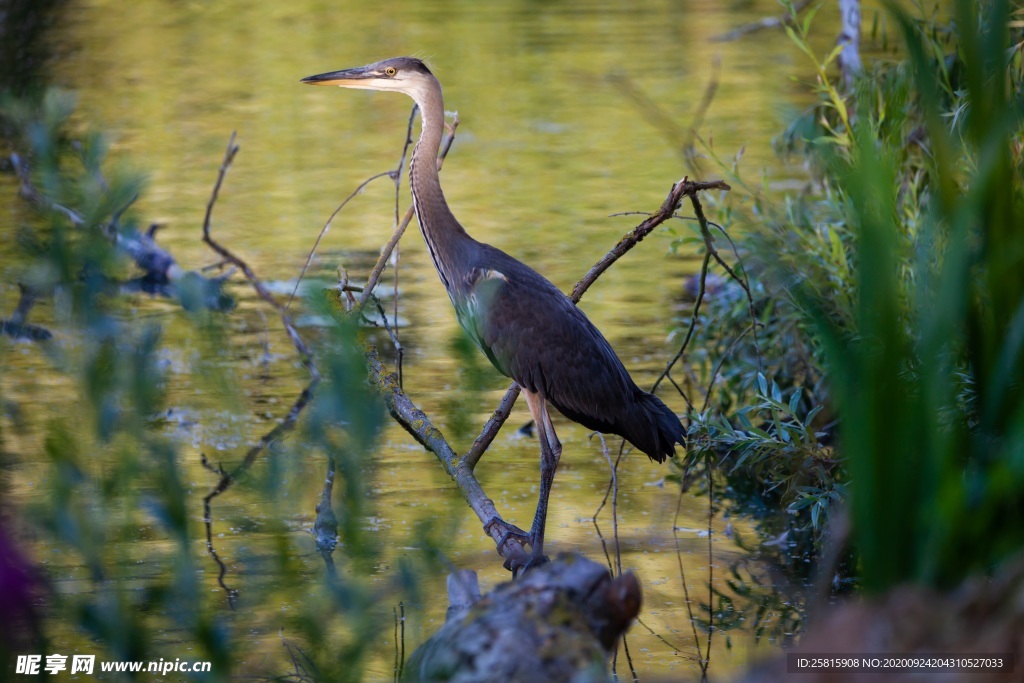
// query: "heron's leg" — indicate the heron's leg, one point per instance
point(550, 452)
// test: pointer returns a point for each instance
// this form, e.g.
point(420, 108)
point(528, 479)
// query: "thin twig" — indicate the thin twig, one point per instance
point(786, 19)
point(613, 468)
point(709, 252)
point(631, 239)
point(306, 358)
point(397, 253)
point(391, 333)
point(394, 612)
point(701, 662)
point(401, 621)
point(702, 287)
point(718, 367)
point(657, 635)
point(689, 149)
point(491, 427)
point(29, 192)
point(385, 253)
point(711, 572)
point(327, 225)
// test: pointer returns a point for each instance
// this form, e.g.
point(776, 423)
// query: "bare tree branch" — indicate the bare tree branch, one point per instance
point(416, 422)
point(300, 345)
point(767, 23)
point(492, 426)
point(684, 187)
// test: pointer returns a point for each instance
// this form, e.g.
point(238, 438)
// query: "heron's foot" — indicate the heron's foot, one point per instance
point(510, 531)
point(525, 562)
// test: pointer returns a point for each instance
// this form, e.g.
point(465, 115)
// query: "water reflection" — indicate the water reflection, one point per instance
point(547, 148)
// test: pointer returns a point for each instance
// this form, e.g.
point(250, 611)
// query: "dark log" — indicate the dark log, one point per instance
point(558, 622)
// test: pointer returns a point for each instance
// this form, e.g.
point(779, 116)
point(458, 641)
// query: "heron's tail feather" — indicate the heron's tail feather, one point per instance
point(654, 428)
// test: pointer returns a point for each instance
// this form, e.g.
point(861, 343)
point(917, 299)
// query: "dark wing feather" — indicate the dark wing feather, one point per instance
point(533, 333)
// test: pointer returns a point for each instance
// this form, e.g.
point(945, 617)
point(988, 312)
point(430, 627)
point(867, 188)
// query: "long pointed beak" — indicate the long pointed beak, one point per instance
point(346, 77)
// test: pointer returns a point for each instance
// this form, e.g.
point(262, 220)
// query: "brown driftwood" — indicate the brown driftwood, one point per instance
point(559, 622)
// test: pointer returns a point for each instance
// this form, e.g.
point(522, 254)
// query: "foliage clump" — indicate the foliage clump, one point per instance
point(887, 370)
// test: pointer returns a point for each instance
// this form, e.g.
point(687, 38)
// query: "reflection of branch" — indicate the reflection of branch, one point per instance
point(786, 19)
point(689, 149)
point(325, 528)
point(16, 326)
point(701, 661)
point(228, 478)
point(613, 486)
point(650, 109)
point(647, 107)
point(306, 358)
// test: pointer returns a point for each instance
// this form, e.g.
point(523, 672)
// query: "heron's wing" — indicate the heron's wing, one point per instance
point(534, 334)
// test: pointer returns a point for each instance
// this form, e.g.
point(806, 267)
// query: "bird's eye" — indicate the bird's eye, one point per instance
point(390, 71)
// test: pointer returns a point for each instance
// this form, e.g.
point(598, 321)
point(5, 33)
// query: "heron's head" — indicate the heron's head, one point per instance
point(400, 74)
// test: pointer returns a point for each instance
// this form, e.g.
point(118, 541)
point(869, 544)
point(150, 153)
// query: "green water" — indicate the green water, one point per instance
point(548, 146)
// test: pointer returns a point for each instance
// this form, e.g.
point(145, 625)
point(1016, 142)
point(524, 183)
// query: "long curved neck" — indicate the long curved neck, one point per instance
point(446, 239)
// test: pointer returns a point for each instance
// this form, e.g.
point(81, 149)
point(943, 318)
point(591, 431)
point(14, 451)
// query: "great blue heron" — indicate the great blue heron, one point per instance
point(526, 326)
